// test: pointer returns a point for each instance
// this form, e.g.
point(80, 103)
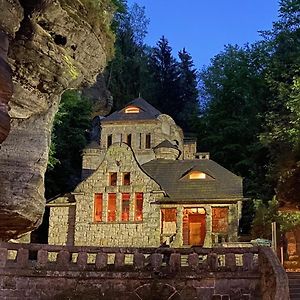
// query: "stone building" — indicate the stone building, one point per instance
point(144, 185)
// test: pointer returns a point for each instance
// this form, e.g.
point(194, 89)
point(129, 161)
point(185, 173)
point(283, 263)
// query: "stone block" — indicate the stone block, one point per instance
point(138, 261)
point(248, 261)
point(230, 261)
point(42, 258)
point(63, 258)
point(101, 261)
point(22, 257)
point(82, 260)
point(156, 261)
point(3, 257)
point(175, 262)
point(193, 261)
point(119, 260)
point(212, 261)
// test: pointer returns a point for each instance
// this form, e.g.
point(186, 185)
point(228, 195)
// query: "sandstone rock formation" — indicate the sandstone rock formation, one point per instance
point(51, 45)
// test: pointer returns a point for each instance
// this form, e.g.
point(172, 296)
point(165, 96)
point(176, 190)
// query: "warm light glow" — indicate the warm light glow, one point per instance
point(132, 110)
point(197, 175)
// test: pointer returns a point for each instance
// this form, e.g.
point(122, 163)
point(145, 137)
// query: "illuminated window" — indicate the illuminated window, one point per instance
point(148, 141)
point(109, 140)
point(197, 175)
point(138, 216)
point(98, 206)
point(111, 208)
point(113, 179)
point(168, 214)
point(126, 178)
point(125, 206)
point(220, 219)
point(132, 110)
point(128, 140)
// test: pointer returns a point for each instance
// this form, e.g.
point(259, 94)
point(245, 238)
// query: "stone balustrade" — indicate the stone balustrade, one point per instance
point(69, 272)
point(167, 260)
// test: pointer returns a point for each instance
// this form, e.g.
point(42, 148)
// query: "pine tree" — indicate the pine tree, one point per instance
point(165, 73)
point(188, 91)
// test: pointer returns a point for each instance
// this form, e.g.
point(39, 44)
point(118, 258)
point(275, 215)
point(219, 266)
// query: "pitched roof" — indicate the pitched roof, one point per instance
point(147, 112)
point(166, 144)
point(171, 175)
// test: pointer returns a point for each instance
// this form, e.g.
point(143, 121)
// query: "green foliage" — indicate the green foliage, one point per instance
point(265, 214)
point(165, 73)
point(281, 131)
point(127, 73)
point(233, 90)
point(68, 138)
point(189, 94)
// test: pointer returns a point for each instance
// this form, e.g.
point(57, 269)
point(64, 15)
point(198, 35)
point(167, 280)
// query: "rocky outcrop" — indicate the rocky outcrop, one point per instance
point(51, 46)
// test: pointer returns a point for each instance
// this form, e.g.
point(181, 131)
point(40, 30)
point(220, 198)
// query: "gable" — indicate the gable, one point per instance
point(120, 160)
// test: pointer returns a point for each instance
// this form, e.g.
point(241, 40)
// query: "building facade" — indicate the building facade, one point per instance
point(144, 185)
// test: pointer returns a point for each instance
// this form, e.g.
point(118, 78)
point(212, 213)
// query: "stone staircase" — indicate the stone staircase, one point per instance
point(294, 285)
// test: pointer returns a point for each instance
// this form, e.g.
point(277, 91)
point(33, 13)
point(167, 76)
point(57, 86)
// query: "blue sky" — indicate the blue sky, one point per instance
point(203, 27)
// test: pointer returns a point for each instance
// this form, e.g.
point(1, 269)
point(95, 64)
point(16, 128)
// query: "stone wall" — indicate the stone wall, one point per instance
point(60, 225)
point(131, 233)
point(132, 274)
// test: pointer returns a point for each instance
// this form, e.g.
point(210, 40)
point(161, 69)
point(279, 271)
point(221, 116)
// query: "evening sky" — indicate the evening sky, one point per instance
point(203, 27)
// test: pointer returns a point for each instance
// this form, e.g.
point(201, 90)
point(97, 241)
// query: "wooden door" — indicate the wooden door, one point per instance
point(197, 229)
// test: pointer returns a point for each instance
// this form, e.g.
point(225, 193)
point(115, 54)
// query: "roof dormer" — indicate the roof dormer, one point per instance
point(194, 175)
point(132, 110)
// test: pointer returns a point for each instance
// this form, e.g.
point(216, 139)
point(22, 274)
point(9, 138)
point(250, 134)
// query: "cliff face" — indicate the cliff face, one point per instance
point(45, 47)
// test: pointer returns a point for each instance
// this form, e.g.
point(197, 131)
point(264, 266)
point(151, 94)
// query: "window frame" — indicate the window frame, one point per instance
point(138, 208)
point(98, 202)
point(124, 180)
point(125, 198)
point(112, 181)
point(148, 141)
point(109, 140)
point(111, 201)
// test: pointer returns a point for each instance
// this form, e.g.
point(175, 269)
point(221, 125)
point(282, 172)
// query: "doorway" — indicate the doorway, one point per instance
point(194, 226)
point(196, 229)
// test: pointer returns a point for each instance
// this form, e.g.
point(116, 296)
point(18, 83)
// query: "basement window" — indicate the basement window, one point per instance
point(132, 110)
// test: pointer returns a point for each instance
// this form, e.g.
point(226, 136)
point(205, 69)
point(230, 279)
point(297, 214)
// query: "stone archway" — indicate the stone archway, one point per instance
point(157, 291)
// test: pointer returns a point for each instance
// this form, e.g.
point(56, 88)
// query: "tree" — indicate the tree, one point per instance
point(281, 131)
point(165, 74)
point(188, 91)
point(68, 139)
point(127, 73)
point(234, 89)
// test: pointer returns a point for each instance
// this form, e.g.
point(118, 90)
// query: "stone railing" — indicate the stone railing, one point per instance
point(70, 272)
point(166, 260)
